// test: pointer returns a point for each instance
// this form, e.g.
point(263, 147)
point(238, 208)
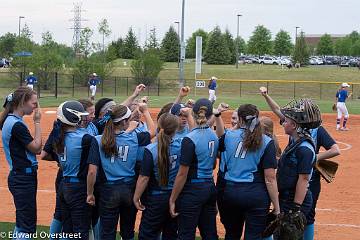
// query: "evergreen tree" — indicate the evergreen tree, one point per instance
point(260, 41)
point(152, 43)
point(240, 42)
point(191, 43)
point(217, 51)
point(301, 52)
point(229, 40)
point(325, 45)
point(282, 44)
point(131, 46)
point(170, 46)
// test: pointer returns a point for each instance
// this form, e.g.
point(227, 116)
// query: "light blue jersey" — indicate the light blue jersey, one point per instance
point(122, 167)
point(174, 157)
point(241, 164)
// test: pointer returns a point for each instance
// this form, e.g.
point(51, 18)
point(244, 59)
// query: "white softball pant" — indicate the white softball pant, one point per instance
point(93, 90)
point(342, 110)
point(212, 96)
point(30, 86)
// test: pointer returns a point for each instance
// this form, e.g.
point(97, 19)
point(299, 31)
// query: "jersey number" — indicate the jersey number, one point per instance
point(63, 156)
point(173, 159)
point(212, 148)
point(123, 153)
point(240, 151)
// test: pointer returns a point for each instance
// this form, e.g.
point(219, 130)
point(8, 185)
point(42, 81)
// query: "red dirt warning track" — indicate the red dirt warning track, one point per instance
point(338, 210)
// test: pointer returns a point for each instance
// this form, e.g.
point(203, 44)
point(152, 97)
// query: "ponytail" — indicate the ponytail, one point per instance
point(4, 114)
point(168, 124)
point(200, 116)
point(163, 157)
point(59, 144)
point(249, 114)
point(108, 141)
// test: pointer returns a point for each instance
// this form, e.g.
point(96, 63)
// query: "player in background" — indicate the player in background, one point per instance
point(93, 82)
point(212, 88)
point(31, 80)
point(341, 96)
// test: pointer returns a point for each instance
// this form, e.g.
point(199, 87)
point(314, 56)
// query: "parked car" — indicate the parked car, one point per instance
point(268, 60)
point(344, 63)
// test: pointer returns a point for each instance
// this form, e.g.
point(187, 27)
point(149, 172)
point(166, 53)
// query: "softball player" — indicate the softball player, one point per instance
point(212, 87)
point(73, 147)
point(20, 149)
point(186, 122)
point(194, 189)
point(93, 81)
point(249, 174)
point(88, 124)
point(296, 163)
point(321, 138)
point(341, 96)
point(115, 154)
point(268, 129)
point(31, 80)
point(159, 168)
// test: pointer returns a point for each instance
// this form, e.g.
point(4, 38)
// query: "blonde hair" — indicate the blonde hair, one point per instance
point(200, 116)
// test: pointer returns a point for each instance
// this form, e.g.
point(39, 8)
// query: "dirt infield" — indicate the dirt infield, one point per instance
point(338, 212)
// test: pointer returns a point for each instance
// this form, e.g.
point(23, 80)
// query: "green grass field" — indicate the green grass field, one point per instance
point(321, 88)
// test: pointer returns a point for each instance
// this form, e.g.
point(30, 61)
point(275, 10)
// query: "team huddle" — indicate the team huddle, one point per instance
point(114, 161)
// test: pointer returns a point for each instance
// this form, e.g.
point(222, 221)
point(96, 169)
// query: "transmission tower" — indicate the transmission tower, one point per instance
point(77, 20)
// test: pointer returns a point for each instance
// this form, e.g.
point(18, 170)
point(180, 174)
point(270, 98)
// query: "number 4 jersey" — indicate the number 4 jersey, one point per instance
point(122, 166)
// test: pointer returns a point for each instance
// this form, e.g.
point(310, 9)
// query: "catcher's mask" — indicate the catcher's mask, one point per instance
point(304, 112)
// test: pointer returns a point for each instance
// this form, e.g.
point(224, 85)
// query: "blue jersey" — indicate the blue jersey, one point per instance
point(142, 127)
point(242, 165)
point(198, 152)
point(15, 138)
point(212, 85)
point(150, 168)
point(76, 154)
point(31, 80)
point(342, 95)
point(181, 134)
point(92, 129)
point(299, 160)
point(121, 167)
point(94, 81)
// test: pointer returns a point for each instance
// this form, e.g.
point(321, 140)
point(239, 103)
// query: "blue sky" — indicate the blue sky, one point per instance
point(314, 17)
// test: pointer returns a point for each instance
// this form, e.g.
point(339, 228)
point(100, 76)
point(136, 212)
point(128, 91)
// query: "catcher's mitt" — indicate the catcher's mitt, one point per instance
point(292, 226)
point(272, 224)
point(327, 169)
point(334, 108)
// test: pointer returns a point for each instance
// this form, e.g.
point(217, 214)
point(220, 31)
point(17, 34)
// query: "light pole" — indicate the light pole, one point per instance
point(296, 28)
point(20, 17)
point(178, 31)
point(182, 47)
point(237, 41)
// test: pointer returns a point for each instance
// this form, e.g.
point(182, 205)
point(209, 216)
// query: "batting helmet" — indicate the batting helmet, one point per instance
point(71, 112)
point(304, 112)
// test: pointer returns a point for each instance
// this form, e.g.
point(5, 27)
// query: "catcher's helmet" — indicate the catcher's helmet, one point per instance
point(304, 112)
point(70, 112)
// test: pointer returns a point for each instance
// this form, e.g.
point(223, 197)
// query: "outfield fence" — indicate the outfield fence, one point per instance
point(68, 85)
